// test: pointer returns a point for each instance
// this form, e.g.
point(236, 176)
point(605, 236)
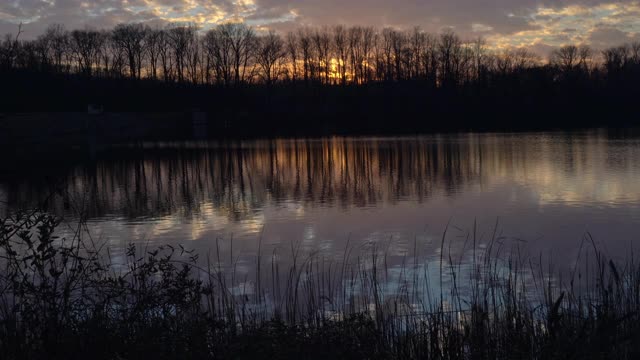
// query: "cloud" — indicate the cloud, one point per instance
point(597, 24)
point(604, 36)
point(504, 23)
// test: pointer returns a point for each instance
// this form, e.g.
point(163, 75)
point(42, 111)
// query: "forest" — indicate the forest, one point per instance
point(327, 74)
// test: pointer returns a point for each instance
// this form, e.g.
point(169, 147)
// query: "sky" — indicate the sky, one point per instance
point(538, 25)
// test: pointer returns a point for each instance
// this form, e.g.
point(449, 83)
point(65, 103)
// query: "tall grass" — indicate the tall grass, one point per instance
point(71, 298)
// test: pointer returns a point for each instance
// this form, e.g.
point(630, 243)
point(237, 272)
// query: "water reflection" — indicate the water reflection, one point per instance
point(550, 186)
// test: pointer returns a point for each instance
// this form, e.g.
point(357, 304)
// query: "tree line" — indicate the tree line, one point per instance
point(234, 54)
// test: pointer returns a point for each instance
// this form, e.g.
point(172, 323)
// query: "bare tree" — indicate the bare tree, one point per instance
point(616, 58)
point(360, 45)
point(340, 44)
point(58, 39)
point(217, 46)
point(479, 56)
point(385, 62)
point(180, 39)
point(292, 51)
point(504, 62)
point(42, 46)
point(269, 56)
point(192, 56)
point(566, 57)
point(369, 40)
point(322, 45)
point(241, 38)
point(304, 38)
point(585, 58)
point(354, 50)
point(635, 52)
point(131, 39)
point(417, 42)
point(166, 56)
point(9, 48)
point(430, 60)
point(232, 54)
point(449, 49)
point(524, 59)
point(153, 47)
point(398, 46)
point(86, 46)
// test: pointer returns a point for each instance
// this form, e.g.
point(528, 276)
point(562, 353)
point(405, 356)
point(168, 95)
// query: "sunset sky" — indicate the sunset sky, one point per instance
point(535, 24)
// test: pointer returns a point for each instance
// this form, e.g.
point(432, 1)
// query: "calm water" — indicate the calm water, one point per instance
point(544, 190)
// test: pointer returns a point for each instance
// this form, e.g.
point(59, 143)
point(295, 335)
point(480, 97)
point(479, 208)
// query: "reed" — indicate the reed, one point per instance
point(73, 298)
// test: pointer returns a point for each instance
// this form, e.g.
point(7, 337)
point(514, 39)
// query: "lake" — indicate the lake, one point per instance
point(540, 193)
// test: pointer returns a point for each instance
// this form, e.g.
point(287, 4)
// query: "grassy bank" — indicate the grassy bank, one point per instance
point(73, 298)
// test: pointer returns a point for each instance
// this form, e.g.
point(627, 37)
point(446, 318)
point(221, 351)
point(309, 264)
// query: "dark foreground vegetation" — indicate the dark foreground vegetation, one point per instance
point(72, 299)
point(330, 80)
